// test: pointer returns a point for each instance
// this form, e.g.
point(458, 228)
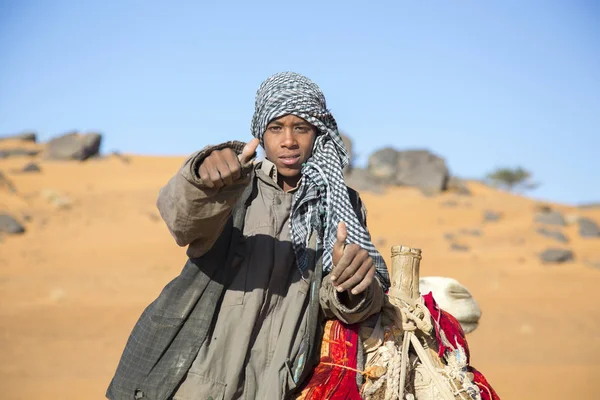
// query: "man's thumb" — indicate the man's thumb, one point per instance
point(249, 151)
point(342, 234)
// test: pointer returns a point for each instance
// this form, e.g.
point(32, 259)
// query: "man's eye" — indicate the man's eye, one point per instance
point(302, 128)
point(274, 128)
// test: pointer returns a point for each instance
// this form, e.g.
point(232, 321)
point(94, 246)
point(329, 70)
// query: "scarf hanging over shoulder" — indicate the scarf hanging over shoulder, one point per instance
point(322, 200)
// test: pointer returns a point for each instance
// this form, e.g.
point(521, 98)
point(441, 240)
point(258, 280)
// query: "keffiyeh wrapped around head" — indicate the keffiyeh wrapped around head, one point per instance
point(322, 200)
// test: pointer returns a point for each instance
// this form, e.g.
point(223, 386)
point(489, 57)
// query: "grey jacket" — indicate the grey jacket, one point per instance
point(171, 330)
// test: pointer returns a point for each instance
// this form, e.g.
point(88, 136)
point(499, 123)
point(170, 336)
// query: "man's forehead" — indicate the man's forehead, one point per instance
point(289, 118)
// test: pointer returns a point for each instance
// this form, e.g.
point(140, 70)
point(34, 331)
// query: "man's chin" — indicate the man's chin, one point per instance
point(288, 172)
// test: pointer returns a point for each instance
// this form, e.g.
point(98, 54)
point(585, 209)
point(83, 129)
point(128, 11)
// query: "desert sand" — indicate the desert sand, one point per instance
point(96, 252)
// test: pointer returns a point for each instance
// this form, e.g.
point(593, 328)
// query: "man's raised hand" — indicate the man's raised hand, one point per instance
point(224, 167)
point(353, 267)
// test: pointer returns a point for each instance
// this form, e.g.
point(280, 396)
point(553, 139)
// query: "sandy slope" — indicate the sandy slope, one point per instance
point(73, 286)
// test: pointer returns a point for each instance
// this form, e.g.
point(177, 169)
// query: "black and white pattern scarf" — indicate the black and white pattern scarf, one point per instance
point(322, 200)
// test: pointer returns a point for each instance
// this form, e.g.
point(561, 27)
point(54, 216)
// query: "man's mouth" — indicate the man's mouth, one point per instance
point(290, 160)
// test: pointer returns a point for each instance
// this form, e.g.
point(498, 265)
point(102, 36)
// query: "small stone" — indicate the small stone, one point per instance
point(31, 167)
point(588, 228)
point(8, 224)
point(18, 152)
point(471, 232)
point(556, 235)
point(550, 218)
point(6, 183)
point(459, 247)
point(491, 216)
point(555, 255)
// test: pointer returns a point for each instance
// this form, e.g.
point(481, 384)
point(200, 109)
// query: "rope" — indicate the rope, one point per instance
point(404, 362)
point(412, 316)
point(406, 253)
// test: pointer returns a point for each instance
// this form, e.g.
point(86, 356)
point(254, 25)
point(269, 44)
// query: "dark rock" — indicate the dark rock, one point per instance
point(459, 247)
point(550, 218)
point(588, 228)
point(542, 208)
point(554, 255)
point(383, 165)
point(418, 168)
point(31, 167)
point(361, 181)
point(6, 183)
point(458, 186)
point(556, 235)
point(10, 225)
point(491, 216)
point(18, 152)
point(24, 136)
point(471, 232)
point(74, 146)
point(422, 169)
point(449, 236)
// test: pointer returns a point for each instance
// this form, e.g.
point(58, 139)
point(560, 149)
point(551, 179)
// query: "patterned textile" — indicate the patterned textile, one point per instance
point(339, 347)
point(330, 379)
point(445, 322)
point(322, 199)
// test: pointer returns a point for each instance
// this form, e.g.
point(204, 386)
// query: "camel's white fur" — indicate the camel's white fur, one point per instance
point(454, 298)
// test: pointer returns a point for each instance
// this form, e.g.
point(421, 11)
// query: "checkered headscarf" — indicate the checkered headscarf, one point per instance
point(322, 199)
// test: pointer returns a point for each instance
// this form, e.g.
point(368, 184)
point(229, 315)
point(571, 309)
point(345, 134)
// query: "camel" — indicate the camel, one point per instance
point(454, 298)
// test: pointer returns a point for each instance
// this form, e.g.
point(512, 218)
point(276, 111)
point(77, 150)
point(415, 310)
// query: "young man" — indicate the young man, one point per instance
point(274, 248)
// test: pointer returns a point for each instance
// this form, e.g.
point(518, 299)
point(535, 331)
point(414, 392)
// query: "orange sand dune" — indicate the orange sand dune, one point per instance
point(96, 253)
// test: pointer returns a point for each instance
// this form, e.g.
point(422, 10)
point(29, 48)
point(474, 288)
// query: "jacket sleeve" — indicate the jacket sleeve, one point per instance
point(348, 308)
point(195, 214)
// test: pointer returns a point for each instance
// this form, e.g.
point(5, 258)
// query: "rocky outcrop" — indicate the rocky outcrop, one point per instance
point(74, 146)
point(418, 168)
point(23, 136)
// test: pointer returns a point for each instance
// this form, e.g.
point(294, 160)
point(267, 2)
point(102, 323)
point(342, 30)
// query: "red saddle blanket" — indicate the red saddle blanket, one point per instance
point(334, 377)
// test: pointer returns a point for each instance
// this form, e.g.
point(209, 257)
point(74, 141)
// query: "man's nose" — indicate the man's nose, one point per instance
point(289, 140)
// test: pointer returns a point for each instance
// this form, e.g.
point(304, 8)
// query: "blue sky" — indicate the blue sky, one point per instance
point(484, 84)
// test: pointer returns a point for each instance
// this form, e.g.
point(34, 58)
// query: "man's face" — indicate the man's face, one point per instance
point(288, 143)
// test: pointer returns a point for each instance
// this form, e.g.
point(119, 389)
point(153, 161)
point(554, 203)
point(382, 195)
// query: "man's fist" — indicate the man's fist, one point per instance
point(223, 167)
point(353, 267)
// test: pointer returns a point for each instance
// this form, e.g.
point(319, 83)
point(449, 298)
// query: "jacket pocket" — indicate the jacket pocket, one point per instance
point(196, 387)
